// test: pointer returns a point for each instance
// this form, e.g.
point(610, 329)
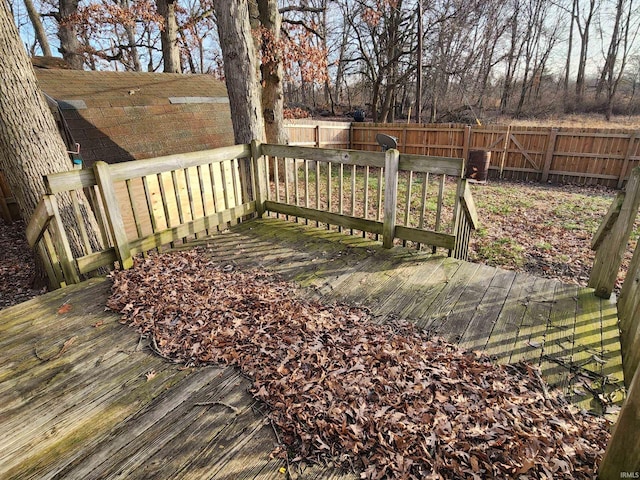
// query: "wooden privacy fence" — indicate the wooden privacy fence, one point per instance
point(541, 154)
point(151, 204)
point(320, 134)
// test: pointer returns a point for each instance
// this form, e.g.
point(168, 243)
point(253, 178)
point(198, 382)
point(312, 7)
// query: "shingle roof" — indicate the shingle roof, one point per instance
point(118, 116)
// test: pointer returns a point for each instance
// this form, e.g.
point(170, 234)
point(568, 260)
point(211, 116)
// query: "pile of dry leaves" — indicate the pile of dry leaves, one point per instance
point(384, 400)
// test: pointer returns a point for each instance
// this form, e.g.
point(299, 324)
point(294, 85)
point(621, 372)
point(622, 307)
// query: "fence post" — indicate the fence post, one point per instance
point(391, 159)
point(548, 156)
point(316, 134)
point(260, 175)
point(505, 149)
point(627, 157)
point(623, 452)
point(613, 243)
point(114, 216)
point(466, 145)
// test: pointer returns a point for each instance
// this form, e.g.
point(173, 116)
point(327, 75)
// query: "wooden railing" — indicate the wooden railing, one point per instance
point(138, 206)
point(152, 204)
point(370, 191)
point(610, 243)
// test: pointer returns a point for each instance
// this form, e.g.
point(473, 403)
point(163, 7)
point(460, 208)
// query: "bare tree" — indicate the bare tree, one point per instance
point(70, 46)
point(538, 41)
point(169, 36)
point(272, 72)
point(38, 28)
point(625, 31)
point(583, 18)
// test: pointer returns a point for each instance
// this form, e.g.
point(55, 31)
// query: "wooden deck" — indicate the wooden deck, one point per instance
point(81, 396)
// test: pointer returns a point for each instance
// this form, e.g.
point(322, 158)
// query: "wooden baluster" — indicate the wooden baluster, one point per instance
point(75, 202)
point(276, 178)
point(285, 164)
point(390, 197)
point(423, 203)
point(353, 192)
point(134, 210)
point(341, 192)
point(379, 195)
point(306, 187)
point(236, 175)
point(366, 198)
point(203, 198)
point(176, 192)
point(329, 199)
point(317, 189)
point(407, 210)
point(439, 207)
point(147, 195)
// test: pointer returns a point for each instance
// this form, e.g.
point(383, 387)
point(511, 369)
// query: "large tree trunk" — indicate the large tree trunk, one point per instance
point(169, 36)
point(30, 144)
point(567, 68)
point(68, 35)
point(272, 73)
point(239, 56)
point(131, 40)
point(38, 29)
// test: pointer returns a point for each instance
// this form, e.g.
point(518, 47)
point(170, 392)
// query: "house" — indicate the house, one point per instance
point(121, 116)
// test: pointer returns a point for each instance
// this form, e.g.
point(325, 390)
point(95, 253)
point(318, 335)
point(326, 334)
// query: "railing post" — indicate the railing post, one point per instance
point(613, 243)
point(260, 174)
point(629, 316)
point(466, 145)
point(391, 160)
point(114, 216)
point(623, 452)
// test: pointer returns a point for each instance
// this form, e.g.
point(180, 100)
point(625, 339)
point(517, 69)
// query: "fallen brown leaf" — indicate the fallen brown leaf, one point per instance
point(385, 399)
point(65, 308)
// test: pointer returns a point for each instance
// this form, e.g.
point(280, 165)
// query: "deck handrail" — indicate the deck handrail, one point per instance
point(610, 242)
point(148, 204)
point(141, 206)
point(286, 193)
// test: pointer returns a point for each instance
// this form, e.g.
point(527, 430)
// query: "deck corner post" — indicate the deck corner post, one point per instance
point(612, 246)
point(260, 180)
point(114, 215)
point(466, 145)
point(391, 160)
point(623, 451)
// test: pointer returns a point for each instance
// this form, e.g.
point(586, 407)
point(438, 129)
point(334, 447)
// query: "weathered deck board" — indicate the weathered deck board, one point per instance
point(81, 396)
